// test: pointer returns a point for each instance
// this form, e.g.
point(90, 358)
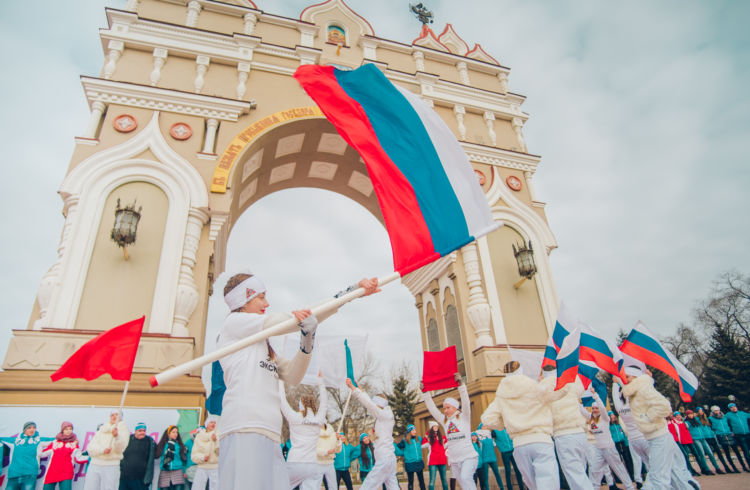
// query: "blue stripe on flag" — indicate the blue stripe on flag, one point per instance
point(649, 344)
point(408, 144)
point(559, 334)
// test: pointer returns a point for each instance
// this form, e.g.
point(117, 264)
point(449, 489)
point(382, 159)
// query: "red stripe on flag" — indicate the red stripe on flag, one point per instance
point(567, 376)
point(656, 361)
point(112, 352)
point(407, 229)
point(603, 361)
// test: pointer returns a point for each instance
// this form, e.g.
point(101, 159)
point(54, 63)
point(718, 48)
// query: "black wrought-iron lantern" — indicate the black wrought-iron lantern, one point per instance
point(526, 266)
point(126, 225)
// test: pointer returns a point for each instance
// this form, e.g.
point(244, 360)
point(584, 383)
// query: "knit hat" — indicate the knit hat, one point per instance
point(140, 425)
point(474, 434)
point(432, 423)
point(689, 412)
point(29, 424)
point(731, 405)
point(610, 412)
point(633, 370)
point(452, 402)
point(410, 427)
point(675, 414)
point(715, 408)
point(363, 435)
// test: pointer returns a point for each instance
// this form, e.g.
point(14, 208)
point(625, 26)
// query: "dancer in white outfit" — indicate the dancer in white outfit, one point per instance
point(591, 457)
point(523, 407)
point(384, 471)
point(251, 417)
point(304, 430)
point(456, 421)
point(638, 444)
point(568, 428)
point(606, 453)
point(205, 454)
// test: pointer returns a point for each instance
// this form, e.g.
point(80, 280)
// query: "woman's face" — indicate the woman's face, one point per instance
point(691, 415)
point(434, 428)
point(474, 439)
point(595, 411)
point(29, 431)
point(173, 433)
point(366, 440)
point(67, 430)
point(113, 418)
point(210, 426)
point(256, 305)
point(612, 419)
point(413, 432)
point(449, 410)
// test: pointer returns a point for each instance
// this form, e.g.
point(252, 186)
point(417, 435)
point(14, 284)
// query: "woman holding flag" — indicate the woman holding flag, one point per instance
point(384, 470)
point(462, 457)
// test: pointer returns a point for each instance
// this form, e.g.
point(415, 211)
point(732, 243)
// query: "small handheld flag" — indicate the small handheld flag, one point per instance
point(112, 352)
point(563, 326)
point(439, 369)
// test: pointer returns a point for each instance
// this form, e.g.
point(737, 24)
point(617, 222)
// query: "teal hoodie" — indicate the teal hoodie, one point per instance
point(412, 451)
point(176, 463)
point(25, 458)
point(357, 453)
point(618, 435)
point(738, 422)
point(478, 448)
point(343, 460)
point(719, 425)
point(503, 441)
point(488, 451)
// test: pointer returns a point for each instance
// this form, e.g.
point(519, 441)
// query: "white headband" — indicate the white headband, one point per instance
point(550, 373)
point(633, 370)
point(452, 402)
point(518, 371)
point(380, 401)
point(244, 292)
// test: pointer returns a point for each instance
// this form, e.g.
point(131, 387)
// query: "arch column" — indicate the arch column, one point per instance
point(478, 309)
point(187, 289)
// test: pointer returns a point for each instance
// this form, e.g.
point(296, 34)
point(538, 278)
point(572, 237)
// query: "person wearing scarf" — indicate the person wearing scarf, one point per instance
point(24, 463)
point(65, 451)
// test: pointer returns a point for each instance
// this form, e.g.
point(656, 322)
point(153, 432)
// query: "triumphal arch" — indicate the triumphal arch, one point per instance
point(195, 116)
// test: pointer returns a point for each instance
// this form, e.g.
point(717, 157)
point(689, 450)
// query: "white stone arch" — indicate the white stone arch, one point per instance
point(87, 186)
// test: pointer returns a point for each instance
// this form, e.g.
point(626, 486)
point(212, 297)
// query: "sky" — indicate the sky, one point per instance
point(638, 109)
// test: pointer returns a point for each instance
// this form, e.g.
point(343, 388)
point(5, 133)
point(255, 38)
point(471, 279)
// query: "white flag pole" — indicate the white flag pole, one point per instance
point(281, 328)
point(343, 413)
point(122, 400)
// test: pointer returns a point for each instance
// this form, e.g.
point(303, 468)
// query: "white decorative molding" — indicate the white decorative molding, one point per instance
point(243, 71)
point(496, 312)
point(92, 181)
point(459, 111)
point(160, 57)
point(218, 233)
point(307, 34)
point(201, 66)
point(369, 48)
point(193, 9)
point(463, 73)
point(132, 6)
point(114, 52)
point(517, 123)
point(307, 56)
point(503, 77)
point(489, 119)
point(248, 27)
point(418, 60)
point(210, 139)
point(97, 109)
point(160, 99)
point(530, 185)
point(499, 157)
point(478, 308)
point(187, 289)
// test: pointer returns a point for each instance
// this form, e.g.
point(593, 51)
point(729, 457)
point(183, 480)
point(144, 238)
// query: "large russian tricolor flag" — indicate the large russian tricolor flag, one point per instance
point(644, 346)
point(429, 196)
point(599, 351)
point(563, 326)
point(568, 359)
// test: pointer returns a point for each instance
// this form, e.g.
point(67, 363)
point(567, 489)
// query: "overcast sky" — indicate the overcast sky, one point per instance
point(639, 110)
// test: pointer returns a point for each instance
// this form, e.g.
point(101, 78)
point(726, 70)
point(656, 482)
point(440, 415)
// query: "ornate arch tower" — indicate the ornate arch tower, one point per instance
point(195, 116)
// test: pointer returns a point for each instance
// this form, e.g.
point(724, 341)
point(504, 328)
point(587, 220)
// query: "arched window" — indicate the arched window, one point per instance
point(452, 331)
point(433, 339)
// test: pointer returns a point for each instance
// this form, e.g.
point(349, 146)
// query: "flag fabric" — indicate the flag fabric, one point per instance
point(431, 201)
point(530, 360)
point(565, 323)
point(112, 352)
point(216, 398)
point(599, 351)
point(645, 347)
point(349, 363)
point(568, 358)
point(328, 357)
point(439, 369)
point(587, 374)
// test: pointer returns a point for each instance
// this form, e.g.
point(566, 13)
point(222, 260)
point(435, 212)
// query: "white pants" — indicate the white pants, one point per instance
point(463, 472)
point(538, 466)
point(384, 472)
point(206, 475)
point(326, 471)
point(571, 452)
point(101, 477)
point(664, 462)
point(250, 457)
point(680, 472)
point(591, 460)
point(639, 453)
point(608, 457)
point(302, 473)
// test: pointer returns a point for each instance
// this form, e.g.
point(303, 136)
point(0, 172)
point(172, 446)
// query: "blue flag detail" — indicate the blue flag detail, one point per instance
point(349, 363)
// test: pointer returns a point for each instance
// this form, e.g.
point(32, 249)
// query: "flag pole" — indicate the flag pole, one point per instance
point(122, 400)
point(281, 328)
point(343, 413)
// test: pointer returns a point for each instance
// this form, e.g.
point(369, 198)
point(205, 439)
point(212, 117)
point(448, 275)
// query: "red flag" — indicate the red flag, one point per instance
point(439, 369)
point(111, 352)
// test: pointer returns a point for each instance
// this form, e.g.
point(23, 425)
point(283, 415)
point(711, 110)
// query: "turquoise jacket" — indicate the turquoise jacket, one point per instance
point(738, 421)
point(25, 460)
point(618, 435)
point(488, 451)
point(176, 463)
point(478, 449)
point(343, 460)
point(696, 429)
point(357, 453)
point(719, 425)
point(708, 433)
point(411, 451)
point(503, 441)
